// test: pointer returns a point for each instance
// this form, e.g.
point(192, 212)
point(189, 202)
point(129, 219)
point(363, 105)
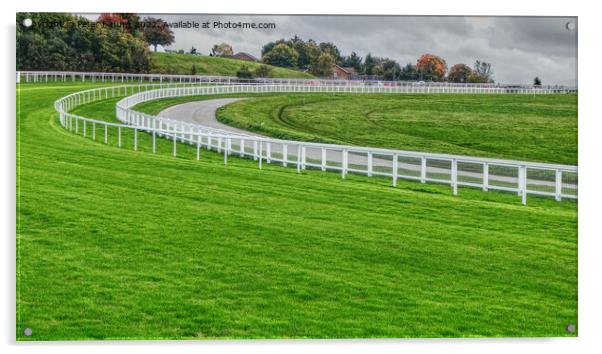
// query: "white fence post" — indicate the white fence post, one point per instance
point(423, 169)
point(344, 163)
point(522, 183)
point(454, 176)
point(485, 176)
point(260, 152)
point(175, 142)
point(395, 169)
point(154, 141)
point(284, 155)
point(558, 185)
point(298, 158)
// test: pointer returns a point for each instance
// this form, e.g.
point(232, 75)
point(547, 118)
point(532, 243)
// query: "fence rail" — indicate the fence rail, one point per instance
point(71, 76)
point(521, 177)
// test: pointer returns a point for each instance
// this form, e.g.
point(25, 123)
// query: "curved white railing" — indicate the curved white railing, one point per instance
point(521, 177)
point(418, 86)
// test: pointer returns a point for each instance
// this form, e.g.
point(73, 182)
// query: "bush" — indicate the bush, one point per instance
point(244, 73)
point(263, 71)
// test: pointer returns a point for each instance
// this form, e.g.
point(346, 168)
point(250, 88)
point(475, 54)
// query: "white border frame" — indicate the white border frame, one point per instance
point(590, 231)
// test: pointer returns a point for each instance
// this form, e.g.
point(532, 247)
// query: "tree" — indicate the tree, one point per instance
point(132, 23)
point(157, 32)
point(431, 67)
point(536, 81)
point(281, 55)
point(353, 60)
point(369, 63)
point(323, 66)
point(303, 49)
point(459, 73)
point(482, 72)
point(263, 71)
point(112, 20)
point(193, 50)
point(377, 70)
point(270, 45)
point(222, 50)
point(408, 72)
point(330, 48)
point(244, 73)
point(391, 69)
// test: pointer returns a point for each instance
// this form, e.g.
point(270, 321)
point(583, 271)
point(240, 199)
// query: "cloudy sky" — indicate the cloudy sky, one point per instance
point(519, 48)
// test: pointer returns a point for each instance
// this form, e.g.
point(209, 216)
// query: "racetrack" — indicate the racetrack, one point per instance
point(203, 113)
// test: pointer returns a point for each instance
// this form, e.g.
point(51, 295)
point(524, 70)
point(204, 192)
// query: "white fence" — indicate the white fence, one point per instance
point(418, 87)
point(521, 177)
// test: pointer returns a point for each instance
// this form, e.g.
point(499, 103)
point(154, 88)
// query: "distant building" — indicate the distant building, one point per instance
point(344, 73)
point(244, 56)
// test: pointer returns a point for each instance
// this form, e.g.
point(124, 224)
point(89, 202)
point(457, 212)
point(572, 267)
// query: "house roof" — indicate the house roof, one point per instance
point(348, 70)
point(244, 55)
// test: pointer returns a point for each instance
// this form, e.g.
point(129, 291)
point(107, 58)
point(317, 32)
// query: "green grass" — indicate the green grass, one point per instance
point(172, 63)
point(122, 244)
point(520, 127)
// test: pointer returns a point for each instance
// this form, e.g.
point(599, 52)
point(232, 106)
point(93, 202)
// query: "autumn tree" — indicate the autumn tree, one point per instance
point(281, 55)
point(323, 66)
point(431, 67)
point(157, 32)
point(112, 20)
point(222, 50)
point(129, 22)
point(459, 73)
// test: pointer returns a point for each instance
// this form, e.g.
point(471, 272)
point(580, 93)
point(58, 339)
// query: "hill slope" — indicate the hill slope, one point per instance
point(172, 63)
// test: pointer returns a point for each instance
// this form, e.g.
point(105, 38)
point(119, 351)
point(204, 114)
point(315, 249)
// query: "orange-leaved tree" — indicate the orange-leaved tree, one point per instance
point(431, 67)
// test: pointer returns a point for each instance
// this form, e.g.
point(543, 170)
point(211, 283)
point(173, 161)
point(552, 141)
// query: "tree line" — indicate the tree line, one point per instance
point(320, 58)
point(112, 43)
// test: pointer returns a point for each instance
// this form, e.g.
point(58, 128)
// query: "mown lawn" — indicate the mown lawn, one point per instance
point(173, 63)
point(520, 127)
point(122, 244)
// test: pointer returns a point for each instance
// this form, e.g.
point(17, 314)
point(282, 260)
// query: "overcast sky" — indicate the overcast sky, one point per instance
point(519, 48)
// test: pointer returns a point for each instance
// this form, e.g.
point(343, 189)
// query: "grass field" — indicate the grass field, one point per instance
point(172, 63)
point(519, 127)
point(114, 243)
